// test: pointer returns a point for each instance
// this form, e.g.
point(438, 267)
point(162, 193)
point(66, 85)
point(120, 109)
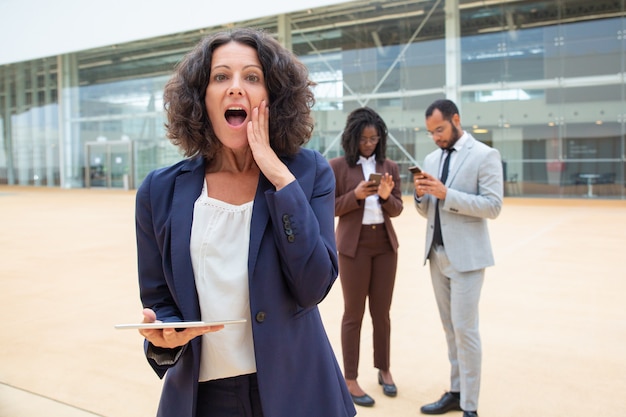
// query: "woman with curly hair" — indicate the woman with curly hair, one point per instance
point(243, 228)
point(367, 243)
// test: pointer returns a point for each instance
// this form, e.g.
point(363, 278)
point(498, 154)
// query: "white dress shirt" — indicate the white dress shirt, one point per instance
point(373, 213)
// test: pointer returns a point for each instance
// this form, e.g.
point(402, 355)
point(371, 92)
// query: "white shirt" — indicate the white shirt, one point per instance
point(220, 236)
point(373, 213)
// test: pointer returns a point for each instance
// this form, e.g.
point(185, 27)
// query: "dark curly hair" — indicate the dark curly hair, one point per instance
point(287, 81)
point(358, 120)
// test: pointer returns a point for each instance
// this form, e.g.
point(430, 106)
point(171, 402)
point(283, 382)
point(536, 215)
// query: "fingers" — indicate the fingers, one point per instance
point(252, 128)
point(423, 179)
point(387, 180)
point(422, 176)
point(151, 334)
point(171, 338)
point(366, 188)
point(148, 315)
point(427, 184)
point(263, 118)
point(258, 126)
point(386, 185)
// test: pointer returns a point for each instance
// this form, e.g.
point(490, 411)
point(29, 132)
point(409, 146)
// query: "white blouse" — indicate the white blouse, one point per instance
point(220, 236)
point(373, 212)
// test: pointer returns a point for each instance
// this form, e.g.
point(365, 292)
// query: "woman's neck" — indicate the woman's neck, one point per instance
point(233, 161)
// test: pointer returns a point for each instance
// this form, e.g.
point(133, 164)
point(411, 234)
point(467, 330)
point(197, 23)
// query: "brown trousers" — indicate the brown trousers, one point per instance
point(371, 273)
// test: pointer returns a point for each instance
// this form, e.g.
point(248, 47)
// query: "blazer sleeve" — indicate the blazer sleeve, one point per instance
point(345, 200)
point(303, 228)
point(154, 291)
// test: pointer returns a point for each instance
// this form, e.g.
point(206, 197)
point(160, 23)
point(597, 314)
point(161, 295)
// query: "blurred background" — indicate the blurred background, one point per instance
point(542, 81)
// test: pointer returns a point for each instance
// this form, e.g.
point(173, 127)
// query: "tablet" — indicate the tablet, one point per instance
point(178, 324)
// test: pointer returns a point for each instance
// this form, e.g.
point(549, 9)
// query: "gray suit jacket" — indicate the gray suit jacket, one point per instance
point(475, 188)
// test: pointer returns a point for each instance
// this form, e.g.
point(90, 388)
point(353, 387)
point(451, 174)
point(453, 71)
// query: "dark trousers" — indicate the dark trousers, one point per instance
point(229, 397)
point(371, 273)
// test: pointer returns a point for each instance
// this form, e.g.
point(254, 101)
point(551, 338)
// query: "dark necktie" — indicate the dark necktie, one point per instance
point(437, 238)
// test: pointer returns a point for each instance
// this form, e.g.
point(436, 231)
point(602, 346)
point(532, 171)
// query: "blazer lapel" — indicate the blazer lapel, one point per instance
point(460, 159)
point(259, 221)
point(187, 188)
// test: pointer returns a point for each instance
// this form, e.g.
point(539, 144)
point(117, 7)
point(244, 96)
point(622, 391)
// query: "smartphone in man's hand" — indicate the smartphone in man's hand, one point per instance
point(415, 169)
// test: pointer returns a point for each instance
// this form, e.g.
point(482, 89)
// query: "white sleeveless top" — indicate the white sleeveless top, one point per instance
point(220, 236)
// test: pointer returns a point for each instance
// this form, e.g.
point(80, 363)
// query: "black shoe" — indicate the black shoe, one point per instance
point(448, 402)
point(389, 390)
point(470, 414)
point(364, 400)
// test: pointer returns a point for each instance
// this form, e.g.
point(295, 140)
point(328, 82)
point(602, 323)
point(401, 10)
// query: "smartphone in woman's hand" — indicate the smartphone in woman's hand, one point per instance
point(376, 177)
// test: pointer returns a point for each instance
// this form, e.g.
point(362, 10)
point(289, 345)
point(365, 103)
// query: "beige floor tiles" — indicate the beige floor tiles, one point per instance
point(553, 316)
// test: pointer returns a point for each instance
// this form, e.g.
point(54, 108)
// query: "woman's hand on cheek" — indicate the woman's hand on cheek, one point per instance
point(258, 128)
point(265, 157)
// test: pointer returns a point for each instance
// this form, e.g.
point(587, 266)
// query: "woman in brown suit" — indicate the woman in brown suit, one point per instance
point(367, 243)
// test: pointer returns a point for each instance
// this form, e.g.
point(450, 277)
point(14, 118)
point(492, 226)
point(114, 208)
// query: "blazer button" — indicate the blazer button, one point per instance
point(260, 316)
point(291, 238)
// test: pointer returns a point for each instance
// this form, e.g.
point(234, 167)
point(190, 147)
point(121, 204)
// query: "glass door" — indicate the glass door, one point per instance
point(109, 165)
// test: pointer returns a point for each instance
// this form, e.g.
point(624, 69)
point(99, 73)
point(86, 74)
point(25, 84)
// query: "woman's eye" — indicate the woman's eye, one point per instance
point(219, 77)
point(253, 77)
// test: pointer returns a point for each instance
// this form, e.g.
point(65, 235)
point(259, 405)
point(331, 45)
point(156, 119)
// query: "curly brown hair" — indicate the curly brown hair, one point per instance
point(286, 78)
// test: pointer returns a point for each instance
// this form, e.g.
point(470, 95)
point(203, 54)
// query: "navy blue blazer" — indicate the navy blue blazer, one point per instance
point(292, 266)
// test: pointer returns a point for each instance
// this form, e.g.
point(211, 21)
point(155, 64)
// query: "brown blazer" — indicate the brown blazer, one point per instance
point(350, 210)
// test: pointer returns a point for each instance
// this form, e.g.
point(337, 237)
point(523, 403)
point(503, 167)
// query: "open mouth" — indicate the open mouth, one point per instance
point(235, 116)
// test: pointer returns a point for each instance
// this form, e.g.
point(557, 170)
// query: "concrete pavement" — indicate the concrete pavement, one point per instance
point(553, 317)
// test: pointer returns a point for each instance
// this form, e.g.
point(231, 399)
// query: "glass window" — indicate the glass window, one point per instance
point(541, 81)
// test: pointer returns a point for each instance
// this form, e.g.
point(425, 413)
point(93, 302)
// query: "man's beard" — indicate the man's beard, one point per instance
point(454, 136)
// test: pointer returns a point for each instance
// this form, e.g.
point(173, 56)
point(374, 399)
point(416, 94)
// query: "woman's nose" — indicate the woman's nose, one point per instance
point(235, 89)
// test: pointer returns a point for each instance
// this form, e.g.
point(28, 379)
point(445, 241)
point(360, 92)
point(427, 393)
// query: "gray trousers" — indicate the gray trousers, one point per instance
point(457, 295)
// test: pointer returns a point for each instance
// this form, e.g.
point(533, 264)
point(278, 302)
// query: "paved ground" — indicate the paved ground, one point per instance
point(553, 315)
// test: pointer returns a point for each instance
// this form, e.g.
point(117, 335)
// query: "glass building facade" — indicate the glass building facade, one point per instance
point(541, 81)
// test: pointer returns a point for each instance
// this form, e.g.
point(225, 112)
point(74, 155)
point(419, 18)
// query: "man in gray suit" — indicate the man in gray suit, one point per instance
point(460, 188)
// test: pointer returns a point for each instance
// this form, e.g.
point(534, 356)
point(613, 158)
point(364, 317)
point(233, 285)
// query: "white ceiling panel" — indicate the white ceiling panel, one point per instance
point(32, 29)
